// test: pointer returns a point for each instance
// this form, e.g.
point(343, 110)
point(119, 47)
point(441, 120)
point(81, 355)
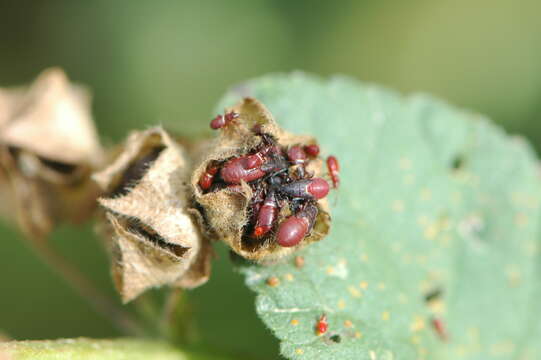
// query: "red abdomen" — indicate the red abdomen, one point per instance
point(236, 170)
point(292, 231)
point(267, 216)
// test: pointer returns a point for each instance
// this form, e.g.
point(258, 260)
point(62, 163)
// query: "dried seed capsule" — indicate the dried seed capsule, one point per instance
point(49, 147)
point(152, 236)
point(252, 155)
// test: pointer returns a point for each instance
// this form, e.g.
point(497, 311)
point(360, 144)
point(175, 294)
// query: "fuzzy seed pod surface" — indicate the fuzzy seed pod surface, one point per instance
point(48, 148)
point(153, 238)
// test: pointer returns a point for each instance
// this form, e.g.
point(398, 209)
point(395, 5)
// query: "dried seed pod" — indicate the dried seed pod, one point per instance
point(48, 148)
point(154, 240)
point(244, 151)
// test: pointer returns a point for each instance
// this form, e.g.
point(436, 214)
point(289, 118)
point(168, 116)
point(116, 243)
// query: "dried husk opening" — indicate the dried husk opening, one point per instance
point(48, 149)
point(152, 236)
point(227, 212)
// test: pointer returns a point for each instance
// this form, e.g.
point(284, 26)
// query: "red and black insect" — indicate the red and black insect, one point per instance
point(267, 214)
point(312, 189)
point(322, 325)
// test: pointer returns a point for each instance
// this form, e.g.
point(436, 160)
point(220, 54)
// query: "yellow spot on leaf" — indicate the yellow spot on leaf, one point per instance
point(403, 299)
point(512, 273)
point(348, 324)
point(417, 324)
point(409, 179)
point(341, 304)
point(381, 286)
point(521, 219)
point(431, 231)
point(385, 315)
point(294, 322)
point(398, 206)
point(415, 339)
point(372, 354)
point(330, 270)
point(273, 281)
point(299, 351)
point(354, 292)
point(426, 194)
point(461, 350)
point(363, 285)
point(358, 334)
point(404, 163)
point(437, 306)
point(299, 262)
point(423, 220)
point(364, 258)
point(289, 277)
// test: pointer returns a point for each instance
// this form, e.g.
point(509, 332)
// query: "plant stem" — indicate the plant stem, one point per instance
point(99, 301)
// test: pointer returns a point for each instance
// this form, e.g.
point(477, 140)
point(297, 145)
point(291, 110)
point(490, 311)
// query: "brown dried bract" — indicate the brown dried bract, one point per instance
point(154, 240)
point(48, 148)
point(226, 211)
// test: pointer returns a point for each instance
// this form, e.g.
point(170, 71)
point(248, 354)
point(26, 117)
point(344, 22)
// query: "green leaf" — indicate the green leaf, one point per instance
point(432, 198)
point(83, 349)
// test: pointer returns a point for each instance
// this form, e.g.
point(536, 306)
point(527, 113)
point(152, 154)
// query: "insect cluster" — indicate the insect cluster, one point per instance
point(261, 189)
point(278, 179)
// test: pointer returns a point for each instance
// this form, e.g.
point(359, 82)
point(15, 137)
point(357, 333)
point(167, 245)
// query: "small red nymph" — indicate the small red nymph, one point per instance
point(222, 121)
point(207, 178)
point(334, 170)
point(315, 188)
point(239, 169)
point(296, 155)
point(440, 329)
point(267, 215)
point(322, 325)
point(312, 150)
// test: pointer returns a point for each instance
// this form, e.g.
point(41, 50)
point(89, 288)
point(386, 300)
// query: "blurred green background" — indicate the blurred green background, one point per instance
point(169, 61)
